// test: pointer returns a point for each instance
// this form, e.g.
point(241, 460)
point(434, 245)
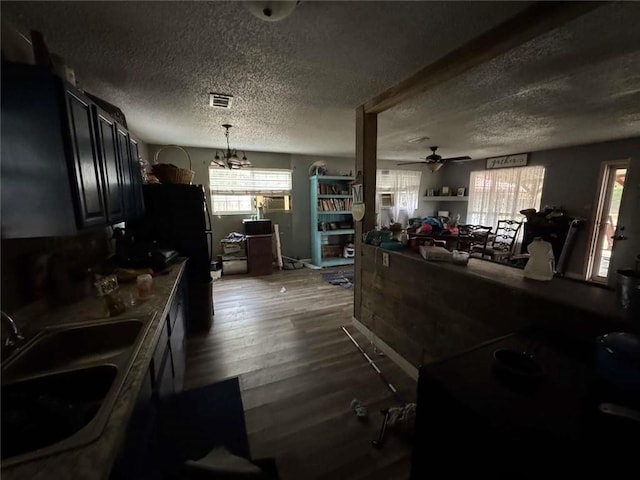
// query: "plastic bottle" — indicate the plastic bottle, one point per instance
point(541, 261)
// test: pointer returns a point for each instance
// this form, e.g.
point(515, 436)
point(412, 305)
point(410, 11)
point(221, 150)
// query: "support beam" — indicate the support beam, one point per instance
point(532, 22)
point(366, 165)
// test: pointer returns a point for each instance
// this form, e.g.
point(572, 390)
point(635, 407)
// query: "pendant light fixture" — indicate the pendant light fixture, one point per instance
point(229, 158)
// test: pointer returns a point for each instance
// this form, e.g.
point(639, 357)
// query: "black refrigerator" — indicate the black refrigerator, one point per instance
point(177, 218)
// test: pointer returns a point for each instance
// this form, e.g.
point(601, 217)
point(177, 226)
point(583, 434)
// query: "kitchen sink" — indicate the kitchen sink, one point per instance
point(72, 347)
point(45, 410)
point(59, 389)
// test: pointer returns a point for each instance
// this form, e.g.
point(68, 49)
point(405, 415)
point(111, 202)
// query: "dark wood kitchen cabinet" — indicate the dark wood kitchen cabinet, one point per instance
point(36, 192)
point(87, 179)
point(164, 379)
point(122, 137)
point(130, 172)
point(136, 179)
point(65, 166)
point(108, 152)
point(177, 331)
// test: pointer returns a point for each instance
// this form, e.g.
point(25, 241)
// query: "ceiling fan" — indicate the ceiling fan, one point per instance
point(435, 161)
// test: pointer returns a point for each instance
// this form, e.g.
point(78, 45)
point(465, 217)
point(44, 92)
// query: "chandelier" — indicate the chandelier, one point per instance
point(229, 158)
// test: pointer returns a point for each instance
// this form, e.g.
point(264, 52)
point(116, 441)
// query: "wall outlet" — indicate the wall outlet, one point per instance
point(385, 259)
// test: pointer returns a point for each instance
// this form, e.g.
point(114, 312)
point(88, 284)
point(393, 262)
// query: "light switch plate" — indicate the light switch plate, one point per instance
point(385, 259)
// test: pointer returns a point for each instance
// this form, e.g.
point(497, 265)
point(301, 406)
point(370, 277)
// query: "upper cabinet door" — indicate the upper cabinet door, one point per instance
point(109, 159)
point(124, 154)
point(136, 177)
point(86, 164)
point(36, 199)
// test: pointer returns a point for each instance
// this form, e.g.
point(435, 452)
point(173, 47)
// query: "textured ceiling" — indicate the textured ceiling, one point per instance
point(578, 84)
point(297, 82)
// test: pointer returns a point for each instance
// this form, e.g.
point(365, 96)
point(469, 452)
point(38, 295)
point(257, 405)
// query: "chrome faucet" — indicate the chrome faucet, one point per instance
point(13, 340)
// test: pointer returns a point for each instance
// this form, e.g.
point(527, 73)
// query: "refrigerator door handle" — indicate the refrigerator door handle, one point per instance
point(209, 230)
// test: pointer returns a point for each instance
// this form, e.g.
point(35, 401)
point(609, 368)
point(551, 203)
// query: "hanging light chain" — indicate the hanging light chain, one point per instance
point(228, 159)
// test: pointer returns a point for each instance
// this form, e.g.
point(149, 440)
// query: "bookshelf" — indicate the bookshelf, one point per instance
point(331, 209)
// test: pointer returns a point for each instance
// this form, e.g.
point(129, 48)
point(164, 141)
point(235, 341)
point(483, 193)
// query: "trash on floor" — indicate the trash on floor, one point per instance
point(282, 290)
point(402, 418)
point(358, 407)
point(291, 263)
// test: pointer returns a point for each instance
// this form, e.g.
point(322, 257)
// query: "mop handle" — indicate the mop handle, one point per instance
point(375, 367)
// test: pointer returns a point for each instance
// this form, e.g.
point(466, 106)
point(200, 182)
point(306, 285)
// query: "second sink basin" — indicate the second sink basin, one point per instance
point(72, 347)
point(45, 410)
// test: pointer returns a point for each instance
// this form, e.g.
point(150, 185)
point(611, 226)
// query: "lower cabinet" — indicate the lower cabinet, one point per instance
point(164, 379)
point(177, 330)
point(133, 457)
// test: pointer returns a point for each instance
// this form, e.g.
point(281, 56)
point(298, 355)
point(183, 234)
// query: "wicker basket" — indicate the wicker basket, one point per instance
point(168, 173)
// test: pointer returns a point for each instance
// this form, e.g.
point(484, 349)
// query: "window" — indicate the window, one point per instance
point(236, 191)
point(232, 204)
point(501, 194)
point(397, 194)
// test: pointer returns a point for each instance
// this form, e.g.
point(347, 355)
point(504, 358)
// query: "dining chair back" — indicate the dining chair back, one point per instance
point(502, 244)
point(470, 236)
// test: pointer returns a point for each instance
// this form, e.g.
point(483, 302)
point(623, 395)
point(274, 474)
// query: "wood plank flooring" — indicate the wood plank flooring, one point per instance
point(298, 374)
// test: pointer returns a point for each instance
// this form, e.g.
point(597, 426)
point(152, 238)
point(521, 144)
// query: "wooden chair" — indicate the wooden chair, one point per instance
point(471, 236)
point(502, 244)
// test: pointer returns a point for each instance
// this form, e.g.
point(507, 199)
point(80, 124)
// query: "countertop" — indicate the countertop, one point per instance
point(578, 295)
point(94, 461)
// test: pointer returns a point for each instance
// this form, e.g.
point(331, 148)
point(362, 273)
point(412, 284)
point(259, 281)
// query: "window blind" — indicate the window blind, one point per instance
point(249, 181)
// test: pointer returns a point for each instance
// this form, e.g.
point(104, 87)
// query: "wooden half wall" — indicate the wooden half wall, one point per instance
point(427, 311)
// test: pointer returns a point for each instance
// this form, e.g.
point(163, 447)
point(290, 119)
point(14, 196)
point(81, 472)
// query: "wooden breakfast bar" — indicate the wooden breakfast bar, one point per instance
point(426, 311)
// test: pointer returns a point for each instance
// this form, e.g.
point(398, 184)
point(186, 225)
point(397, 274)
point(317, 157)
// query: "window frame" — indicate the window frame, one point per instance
point(252, 191)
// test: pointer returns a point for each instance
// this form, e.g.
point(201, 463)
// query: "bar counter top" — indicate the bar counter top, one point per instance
point(579, 295)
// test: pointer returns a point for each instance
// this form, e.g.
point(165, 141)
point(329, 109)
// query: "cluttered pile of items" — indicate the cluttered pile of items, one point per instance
point(234, 254)
point(426, 235)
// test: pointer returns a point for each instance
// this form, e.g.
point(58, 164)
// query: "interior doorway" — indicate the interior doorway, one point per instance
point(606, 219)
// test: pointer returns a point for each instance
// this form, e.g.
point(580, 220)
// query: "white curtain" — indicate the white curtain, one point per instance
point(404, 187)
point(500, 194)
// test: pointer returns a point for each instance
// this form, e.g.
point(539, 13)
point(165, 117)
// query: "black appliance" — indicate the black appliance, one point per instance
point(177, 218)
point(257, 227)
point(130, 253)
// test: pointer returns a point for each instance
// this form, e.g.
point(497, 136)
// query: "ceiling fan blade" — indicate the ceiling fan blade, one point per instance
point(453, 159)
point(412, 163)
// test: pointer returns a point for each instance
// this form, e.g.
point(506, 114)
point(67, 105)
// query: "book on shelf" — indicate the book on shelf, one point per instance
point(334, 204)
point(331, 189)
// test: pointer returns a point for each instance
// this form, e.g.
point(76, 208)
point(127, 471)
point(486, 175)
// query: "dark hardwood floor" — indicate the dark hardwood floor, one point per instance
point(298, 374)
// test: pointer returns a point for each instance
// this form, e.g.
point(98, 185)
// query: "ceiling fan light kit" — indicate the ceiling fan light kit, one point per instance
point(435, 162)
point(229, 158)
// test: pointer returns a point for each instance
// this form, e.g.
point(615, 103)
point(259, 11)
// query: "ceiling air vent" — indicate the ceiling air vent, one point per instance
point(220, 100)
